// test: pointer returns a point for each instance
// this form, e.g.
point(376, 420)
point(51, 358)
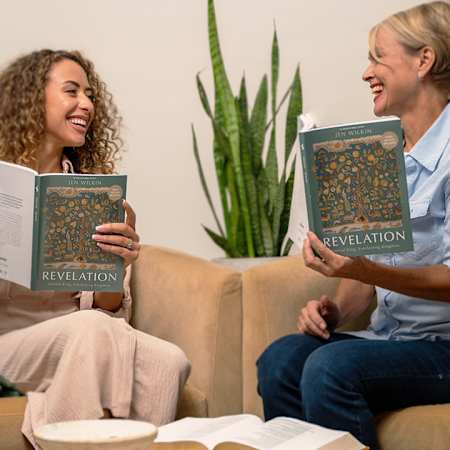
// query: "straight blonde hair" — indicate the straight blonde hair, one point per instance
point(427, 24)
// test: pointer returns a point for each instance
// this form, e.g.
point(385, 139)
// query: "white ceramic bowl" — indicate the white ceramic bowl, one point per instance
point(106, 434)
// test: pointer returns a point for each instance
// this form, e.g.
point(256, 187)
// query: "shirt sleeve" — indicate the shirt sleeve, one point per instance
point(446, 233)
point(87, 299)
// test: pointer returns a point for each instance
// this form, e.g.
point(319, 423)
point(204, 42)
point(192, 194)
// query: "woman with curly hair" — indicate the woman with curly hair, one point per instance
point(56, 116)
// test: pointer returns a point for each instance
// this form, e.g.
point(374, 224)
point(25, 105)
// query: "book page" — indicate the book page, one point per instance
point(298, 216)
point(283, 433)
point(16, 222)
point(208, 431)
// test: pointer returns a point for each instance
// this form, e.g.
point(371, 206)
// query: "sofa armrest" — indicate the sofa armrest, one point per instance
point(273, 295)
point(196, 305)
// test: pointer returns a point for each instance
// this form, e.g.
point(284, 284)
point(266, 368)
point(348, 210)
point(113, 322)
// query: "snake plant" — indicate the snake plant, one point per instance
point(255, 199)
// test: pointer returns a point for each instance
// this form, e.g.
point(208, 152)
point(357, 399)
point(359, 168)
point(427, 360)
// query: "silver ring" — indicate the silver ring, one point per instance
point(130, 244)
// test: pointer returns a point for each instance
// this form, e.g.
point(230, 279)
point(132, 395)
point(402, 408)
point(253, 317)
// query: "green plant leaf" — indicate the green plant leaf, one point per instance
point(278, 209)
point(285, 215)
point(271, 172)
point(258, 120)
point(263, 198)
point(203, 96)
point(294, 110)
point(230, 114)
point(203, 180)
point(275, 70)
point(221, 154)
point(248, 169)
point(234, 205)
point(220, 241)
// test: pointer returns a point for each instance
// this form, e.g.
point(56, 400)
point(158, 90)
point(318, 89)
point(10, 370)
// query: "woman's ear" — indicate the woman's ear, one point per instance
point(427, 57)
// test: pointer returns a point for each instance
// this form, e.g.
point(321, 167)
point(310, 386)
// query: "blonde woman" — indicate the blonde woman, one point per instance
point(73, 353)
point(342, 380)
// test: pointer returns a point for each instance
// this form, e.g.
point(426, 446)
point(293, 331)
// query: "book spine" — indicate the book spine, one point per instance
point(36, 232)
point(307, 181)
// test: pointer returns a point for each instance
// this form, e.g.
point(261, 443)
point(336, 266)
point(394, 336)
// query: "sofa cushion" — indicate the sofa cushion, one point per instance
point(192, 403)
point(418, 427)
point(11, 417)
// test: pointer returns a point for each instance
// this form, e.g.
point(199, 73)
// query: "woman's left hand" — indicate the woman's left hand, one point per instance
point(320, 258)
point(120, 238)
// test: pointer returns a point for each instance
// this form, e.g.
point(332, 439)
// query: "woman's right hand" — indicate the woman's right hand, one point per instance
point(319, 317)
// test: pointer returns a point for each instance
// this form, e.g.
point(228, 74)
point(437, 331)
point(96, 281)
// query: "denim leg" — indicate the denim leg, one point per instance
point(344, 384)
point(280, 370)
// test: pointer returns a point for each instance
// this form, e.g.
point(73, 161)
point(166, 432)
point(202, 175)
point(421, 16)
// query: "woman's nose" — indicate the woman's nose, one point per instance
point(368, 73)
point(86, 103)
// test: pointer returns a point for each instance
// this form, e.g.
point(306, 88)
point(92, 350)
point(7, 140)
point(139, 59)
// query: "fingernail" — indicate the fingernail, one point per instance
point(95, 237)
point(100, 227)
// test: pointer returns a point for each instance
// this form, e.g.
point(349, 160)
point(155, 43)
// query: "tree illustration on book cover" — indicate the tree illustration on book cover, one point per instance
point(70, 217)
point(358, 183)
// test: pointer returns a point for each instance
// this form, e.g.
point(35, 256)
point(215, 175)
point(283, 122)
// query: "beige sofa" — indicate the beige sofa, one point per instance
point(223, 320)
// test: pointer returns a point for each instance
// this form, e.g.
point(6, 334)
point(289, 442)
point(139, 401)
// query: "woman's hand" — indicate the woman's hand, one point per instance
point(319, 317)
point(120, 238)
point(320, 258)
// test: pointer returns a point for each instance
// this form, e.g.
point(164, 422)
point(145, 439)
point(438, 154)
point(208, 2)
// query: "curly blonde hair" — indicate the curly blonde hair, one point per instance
point(22, 114)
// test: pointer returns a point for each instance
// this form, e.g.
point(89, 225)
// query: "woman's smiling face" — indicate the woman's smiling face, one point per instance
point(69, 109)
point(392, 74)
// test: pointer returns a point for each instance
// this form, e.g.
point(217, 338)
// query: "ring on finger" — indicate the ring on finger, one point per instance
point(130, 244)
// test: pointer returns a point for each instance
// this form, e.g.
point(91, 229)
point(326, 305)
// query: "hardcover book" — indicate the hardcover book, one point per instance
point(355, 192)
point(249, 432)
point(46, 227)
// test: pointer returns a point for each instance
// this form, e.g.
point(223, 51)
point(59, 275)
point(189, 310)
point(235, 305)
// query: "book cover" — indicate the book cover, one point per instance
point(46, 227)
point(355, 187)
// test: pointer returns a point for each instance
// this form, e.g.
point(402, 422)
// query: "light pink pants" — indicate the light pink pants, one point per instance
point(75, 366)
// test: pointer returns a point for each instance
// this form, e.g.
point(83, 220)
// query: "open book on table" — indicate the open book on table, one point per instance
point(46, 227)
point(249, 432)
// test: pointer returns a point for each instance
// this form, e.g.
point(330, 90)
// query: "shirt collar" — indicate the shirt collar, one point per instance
point(429, 148)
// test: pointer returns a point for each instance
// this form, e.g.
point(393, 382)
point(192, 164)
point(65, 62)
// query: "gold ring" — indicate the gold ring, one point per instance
point(130, 244)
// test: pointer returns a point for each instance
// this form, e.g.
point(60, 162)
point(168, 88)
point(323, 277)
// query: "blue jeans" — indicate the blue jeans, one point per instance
point(343, 382)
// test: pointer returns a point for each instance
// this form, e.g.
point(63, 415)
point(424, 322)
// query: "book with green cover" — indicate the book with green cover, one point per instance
point(355, 192)
point(46, 227)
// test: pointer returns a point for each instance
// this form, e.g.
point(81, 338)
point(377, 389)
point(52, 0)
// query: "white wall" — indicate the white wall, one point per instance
point(149, 51)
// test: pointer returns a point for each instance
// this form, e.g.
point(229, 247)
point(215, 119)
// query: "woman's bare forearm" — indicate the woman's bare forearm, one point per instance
point(353, 298)
point(431, 282)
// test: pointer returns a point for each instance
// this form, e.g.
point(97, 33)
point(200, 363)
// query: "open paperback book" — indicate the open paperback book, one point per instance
point(46, 227)
point(354, 195)
point(249, 432)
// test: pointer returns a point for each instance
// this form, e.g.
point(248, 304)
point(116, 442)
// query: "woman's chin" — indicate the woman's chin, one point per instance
point(380, 110)
point(75, 143)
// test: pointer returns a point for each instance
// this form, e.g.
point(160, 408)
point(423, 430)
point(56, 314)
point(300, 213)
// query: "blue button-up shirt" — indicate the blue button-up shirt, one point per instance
point(399, 316)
